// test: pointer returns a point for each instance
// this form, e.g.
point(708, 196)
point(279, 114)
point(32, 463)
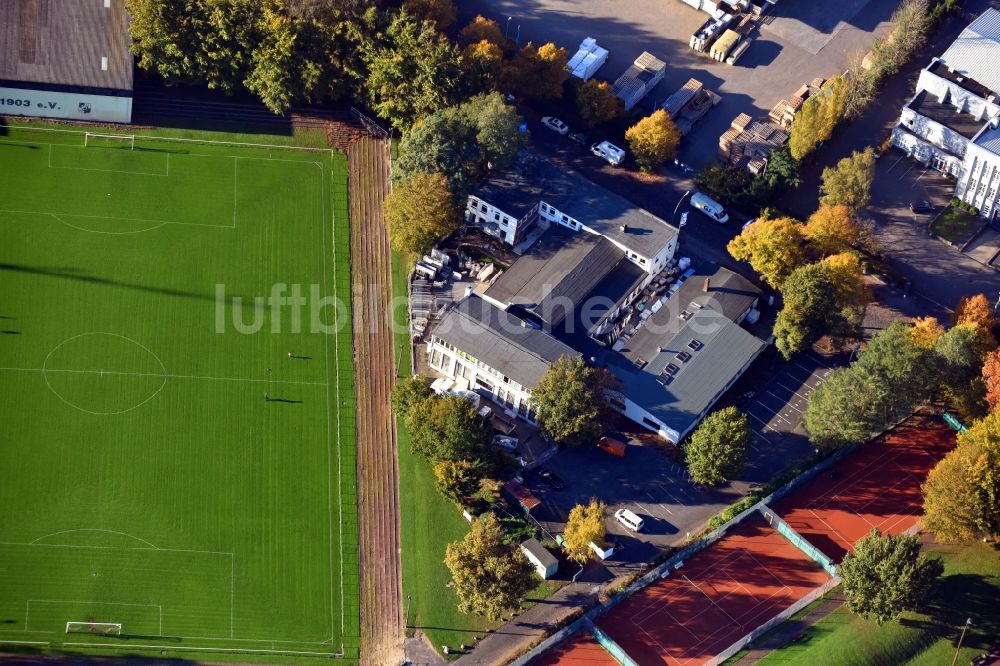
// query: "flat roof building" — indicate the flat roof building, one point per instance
point(67, 59)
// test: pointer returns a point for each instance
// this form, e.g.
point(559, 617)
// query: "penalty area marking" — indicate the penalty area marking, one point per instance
point(168, 376)
point(27, 608)
point(134, 173)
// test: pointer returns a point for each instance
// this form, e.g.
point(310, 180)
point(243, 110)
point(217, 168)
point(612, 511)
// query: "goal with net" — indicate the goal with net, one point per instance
point(102, 628)
point(109, 140)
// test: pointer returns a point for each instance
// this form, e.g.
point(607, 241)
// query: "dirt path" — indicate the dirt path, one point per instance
point(378, 472)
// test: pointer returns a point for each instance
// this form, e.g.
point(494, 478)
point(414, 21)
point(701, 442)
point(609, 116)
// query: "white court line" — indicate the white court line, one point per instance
point(27, 608)
point(134, 173)
point(167, 375)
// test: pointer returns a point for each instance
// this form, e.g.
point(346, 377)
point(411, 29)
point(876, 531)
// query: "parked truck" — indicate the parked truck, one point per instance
point(639, 79)
point(587, 60)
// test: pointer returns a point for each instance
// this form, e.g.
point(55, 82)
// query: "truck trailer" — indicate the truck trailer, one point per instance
point(587, 60)
point(639, 79)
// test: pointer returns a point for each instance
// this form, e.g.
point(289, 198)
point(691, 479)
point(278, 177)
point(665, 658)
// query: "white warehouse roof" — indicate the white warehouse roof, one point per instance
point(976, 52)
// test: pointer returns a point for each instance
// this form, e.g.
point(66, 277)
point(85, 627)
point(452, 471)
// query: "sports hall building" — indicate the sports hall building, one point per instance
point(65, 59)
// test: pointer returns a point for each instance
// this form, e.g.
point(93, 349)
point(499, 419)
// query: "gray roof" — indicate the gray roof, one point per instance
point(500, 340)
point(556, 273)
point(946, 114)
point(725, 349)
point(976, 52)
point(540, 552)
point(990, 140)
point(730, 295)
point(63, 41)
point(532, 178)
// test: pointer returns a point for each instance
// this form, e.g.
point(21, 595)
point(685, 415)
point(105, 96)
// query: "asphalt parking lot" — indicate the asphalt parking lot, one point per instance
point(803, 40)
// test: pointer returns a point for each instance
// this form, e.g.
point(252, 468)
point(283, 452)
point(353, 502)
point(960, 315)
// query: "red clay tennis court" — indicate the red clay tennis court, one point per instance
point(720, 594)
point(580, 650)
point(879, 486)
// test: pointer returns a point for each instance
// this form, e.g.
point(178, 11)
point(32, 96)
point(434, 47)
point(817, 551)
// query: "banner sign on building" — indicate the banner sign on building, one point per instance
point(71, 106)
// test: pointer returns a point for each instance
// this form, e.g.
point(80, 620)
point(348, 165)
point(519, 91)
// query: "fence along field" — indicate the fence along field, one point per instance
point(146, 481)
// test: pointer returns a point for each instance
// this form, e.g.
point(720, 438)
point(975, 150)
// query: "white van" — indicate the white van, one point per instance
point(710, 207)
point(629, 520)
point(608, 152)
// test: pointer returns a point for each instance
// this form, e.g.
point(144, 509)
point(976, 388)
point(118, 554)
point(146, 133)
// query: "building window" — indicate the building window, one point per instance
point(483, 208)
point(650, 423)
point(617, 404)
point(565, 218)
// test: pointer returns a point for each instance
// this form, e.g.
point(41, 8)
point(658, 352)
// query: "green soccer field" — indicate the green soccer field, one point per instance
point(165, 464)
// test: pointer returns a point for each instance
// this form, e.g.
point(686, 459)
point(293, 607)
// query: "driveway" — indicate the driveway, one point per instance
point(804, 40)
point(937, 270)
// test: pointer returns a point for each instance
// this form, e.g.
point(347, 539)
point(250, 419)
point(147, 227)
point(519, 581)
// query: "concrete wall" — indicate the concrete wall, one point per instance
point(934, 132)
point(69, 106)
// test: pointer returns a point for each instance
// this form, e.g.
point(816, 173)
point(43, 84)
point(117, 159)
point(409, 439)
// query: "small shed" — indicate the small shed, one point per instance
point(544, 562)
point(521, 496)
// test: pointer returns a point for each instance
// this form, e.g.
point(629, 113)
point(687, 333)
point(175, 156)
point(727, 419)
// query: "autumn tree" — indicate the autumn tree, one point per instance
point(440, 12)
point(886, 575)
point(849, 182)
point(773, 248)
point(412, 72)
point(925, 332)
point(447, 428)
point(481, 29)
point(420, 212)
point(817, 117)
point(458, 479)
point(961, 352)
point(569, 401)
point(408, 392)
point(991, 377)
point(962, 493)
point(585, 525)
point(491, 578)
point(717, 450)
point(653, 140)
point(597, 103)
point(832, 229)
point(976, 311)
point(482, 63)
point(537, 73)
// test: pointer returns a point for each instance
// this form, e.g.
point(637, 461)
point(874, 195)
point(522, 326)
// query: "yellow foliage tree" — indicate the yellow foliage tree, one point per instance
point(585, 524)
point(833, 229)
point(597, 103)
point(481, 29)
point(441, 12)
point(537, 73)
point(925, 332)
point(845, 273)
point(773, 248)
point(653, 140)
point(482, 63)
point(991, 377)
point(419, 212)
point(976, 311)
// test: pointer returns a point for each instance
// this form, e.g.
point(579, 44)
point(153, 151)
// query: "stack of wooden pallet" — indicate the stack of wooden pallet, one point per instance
point(748, 143)
point(784, 111)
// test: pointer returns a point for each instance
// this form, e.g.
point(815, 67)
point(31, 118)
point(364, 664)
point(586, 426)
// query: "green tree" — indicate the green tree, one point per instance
point(849, 183)
point(962, 493)
point(409, 392)
point(886, 575)
point(491, 578)
point(460, 142)
point(725, 182)
point(773, 248)
point(816, 119)
point(718, 449)
point(782, 172)
point(537, 73)
point(843, 410)
point(597, 103)
point(905, 370)
point(482, 63)
point(653, 140)
point(447, 428)
point(420, 212)
point(585, 525)
point(819, 299)
point(569, 401)
point(458, 479)
point(274, 64)
point(960, 353)
point(413, 71)
point(441, 13)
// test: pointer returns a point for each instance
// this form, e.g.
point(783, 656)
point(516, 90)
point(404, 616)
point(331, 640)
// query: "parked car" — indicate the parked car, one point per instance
point(578, 137)
point(921, 207)
point(508, 444)
point(555, 125)
point(549, 477)
point(608, 152)
point(709, 207)
point(629, 519)
point(612, 446)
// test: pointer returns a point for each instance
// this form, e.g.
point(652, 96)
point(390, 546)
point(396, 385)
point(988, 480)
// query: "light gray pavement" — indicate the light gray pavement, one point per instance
point(420, 652)
point(985, 248)
point(804, 40)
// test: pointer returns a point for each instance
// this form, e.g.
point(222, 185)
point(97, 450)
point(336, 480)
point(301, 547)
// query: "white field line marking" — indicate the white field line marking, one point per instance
point(59, 218)
point(236, 192)
point(88, 547)
point(180, 648)
point(94, 529)
point(86, 603)
point(134, 173)
point(166, 375)
point(232, 592)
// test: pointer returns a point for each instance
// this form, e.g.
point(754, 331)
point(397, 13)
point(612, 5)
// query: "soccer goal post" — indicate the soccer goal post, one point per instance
point(102, 628)
point(109, 140)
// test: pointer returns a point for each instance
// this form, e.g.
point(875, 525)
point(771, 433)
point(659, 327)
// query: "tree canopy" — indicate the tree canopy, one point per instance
point(818, 116)
point(833, 229)
point(773, 248)
point(491, 578)
point(991, 377)
point(420, 212)
point(447, 428)
point(458, 479)
point(962, 493)
point(481, 29)
point(886, 575)
point(413, 71)
point(409, 392)
point(976, 311)
point(653, 140)
point(569, 401)
point(718, 449)
point(537, 73)
point(849, 182)
point(597, 103)
point(585, 525)
point(441, 13)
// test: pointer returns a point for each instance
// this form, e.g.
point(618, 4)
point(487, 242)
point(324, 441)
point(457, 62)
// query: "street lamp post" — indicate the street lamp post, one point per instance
point(961, 638)
point(673, 218)
point(507, 27)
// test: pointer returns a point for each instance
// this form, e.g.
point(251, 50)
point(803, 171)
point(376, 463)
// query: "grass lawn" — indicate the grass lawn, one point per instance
point(954, 224)
point(429, 523)
point(970, 589)
point(164, 464)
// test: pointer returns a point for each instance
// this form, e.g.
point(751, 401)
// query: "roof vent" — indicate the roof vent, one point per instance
point(695, 345)
point(625, 228)
point(684, 315)
point(707, 285)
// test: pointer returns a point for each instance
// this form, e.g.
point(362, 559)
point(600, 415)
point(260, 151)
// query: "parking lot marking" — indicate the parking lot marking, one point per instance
point(804, 397)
